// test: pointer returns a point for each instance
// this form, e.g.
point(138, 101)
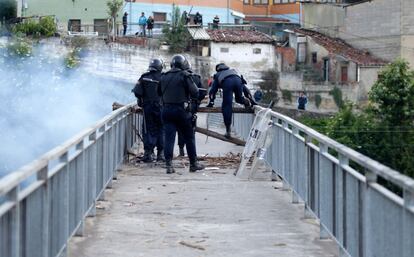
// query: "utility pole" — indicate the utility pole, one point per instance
point(228, 11)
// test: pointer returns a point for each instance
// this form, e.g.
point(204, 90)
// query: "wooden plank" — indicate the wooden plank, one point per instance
point(137, 109)
point(220, 136)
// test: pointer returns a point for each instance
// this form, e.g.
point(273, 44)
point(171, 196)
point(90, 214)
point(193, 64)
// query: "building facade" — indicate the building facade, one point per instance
point(316, 63)
point(382, 27)
point(85, 15)
point(282, 9)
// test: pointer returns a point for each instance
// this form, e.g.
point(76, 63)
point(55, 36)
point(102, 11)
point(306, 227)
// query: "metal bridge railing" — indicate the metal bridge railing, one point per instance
point(361, 215)
point(45, 203)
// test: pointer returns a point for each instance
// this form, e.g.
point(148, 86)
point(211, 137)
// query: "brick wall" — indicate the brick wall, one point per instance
point(288, 58)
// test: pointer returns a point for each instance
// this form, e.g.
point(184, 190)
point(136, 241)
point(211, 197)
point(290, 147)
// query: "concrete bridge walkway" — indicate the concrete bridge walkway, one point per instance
point(209, 213)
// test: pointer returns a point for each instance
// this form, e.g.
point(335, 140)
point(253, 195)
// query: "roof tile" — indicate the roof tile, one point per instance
point(239, 36)
point(340, 47)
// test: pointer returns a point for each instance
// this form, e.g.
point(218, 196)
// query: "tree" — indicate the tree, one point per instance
point(269, 85)
point(385, 130)
point(114, 7)
point(392, 95)
point(7, 10)
point(176, 34)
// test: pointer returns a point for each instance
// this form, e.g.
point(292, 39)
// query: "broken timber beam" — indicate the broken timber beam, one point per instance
point(218, 110)
point(220, 136)
point(137, 109)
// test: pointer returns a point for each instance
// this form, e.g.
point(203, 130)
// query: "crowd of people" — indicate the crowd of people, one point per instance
point(170, 102)
point(146, 25)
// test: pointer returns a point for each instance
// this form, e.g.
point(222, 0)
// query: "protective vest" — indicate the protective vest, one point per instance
point(147, 87)
point(222, 75)
point(174, 87)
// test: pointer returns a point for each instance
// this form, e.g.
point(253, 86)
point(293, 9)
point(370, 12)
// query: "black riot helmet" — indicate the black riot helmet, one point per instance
point(179, 61)
point(187, 65)
point(221, 66)
point(155, 65)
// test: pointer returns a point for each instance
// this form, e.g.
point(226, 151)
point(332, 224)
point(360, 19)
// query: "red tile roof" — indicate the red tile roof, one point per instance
point(239, 36)
point(340, 47)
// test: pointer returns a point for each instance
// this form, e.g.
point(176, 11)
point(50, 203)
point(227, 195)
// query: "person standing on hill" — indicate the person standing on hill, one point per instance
point(125, 22)
point(150, 25)
point(142, 22)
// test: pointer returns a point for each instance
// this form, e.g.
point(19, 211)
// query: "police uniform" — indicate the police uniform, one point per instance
point(202, 92)
point(146, 90)
point(177, 90)
point(229, 80)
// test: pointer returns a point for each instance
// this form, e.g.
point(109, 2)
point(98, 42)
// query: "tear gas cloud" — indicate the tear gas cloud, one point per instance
point(42, 104)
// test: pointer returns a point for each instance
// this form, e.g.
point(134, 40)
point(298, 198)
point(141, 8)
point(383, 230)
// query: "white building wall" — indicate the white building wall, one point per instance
point(240, 56)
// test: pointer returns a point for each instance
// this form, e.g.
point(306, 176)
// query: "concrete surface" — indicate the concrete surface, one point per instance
point(209, 213)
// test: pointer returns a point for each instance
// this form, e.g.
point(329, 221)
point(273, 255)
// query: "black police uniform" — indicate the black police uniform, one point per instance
point(202, 92)
point(146, 90)
point(230, 82)
point(177, 90)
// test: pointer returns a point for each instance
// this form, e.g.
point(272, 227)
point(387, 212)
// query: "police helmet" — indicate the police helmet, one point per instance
point(221, 66)
point(187, 65)
point(155, 65)
point(179, 61)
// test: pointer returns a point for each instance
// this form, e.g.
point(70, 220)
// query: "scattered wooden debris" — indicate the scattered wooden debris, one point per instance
point(192, 246)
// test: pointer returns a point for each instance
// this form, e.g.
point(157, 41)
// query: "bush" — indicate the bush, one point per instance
point(79, 42)
point(269, 85)
point(318, 101)
point(336, 93)
point(20, 48)
point(287, 95)
point(45, 27)
point(72, 60)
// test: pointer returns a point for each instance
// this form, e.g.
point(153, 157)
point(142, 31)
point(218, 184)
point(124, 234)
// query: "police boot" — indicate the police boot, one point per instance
point(196, 166)
point(181, 151)
point(228, 132)
point(160, 156)
point(147, 156)
point(169, 167)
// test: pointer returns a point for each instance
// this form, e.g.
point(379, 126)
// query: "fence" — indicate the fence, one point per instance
point(45, 203)
point(359, 213)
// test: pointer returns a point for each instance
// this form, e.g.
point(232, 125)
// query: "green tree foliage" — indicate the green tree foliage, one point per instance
point(318, 100)
point(176, 35)
point(19, 47)
point(45, 27)
point(269, 85)
point(287, 95)
point(385, 130)
point(114, 7)
point(7, 10)
point(393, 95)
point(337, 96)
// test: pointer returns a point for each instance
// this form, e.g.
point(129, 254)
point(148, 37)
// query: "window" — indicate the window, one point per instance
point(260, 1)
point(224, 49)
point(314, 57)
point(344, 74)
point(284, 1)
point(74, 25)
point(160, 16)
point(246, 1)
point(257, 50)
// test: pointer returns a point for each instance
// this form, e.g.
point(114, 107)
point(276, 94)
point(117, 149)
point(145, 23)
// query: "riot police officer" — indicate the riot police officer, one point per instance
point(229, 80)
point(178, 94)
point(146, 91)
point(202, 92)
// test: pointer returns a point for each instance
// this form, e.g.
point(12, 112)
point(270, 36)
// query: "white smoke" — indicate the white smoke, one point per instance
point(42, 103)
